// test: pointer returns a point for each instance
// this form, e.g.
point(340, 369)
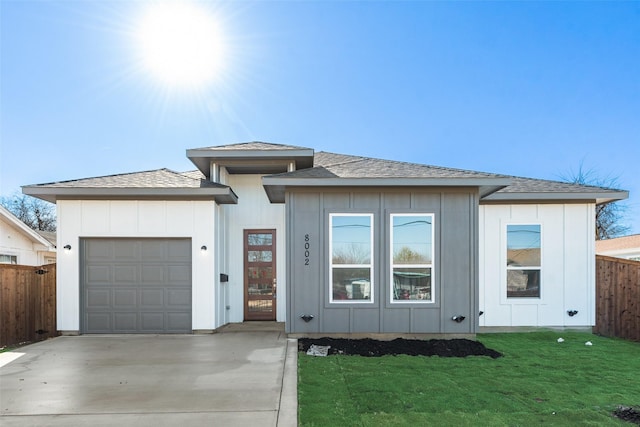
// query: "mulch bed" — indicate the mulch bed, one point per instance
point(374, 348)
point(631, 415)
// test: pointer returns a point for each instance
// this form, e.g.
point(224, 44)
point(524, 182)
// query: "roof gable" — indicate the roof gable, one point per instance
point(27, 231)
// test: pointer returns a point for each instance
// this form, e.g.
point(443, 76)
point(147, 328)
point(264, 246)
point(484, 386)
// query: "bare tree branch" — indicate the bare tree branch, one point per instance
point(37, 214)
point(610, 216)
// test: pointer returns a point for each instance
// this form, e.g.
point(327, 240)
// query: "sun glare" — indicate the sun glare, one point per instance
point(180, 44)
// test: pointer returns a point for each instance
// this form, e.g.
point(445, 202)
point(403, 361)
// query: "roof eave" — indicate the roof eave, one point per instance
point(275, 186)
point(202, 157)
point(221, 195)
point(594, 197)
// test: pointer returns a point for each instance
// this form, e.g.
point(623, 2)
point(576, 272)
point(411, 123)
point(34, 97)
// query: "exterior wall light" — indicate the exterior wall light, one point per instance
point(572, 313)
point(458, 318)
point(203, 248)
point(67, 247)
point(307, 317)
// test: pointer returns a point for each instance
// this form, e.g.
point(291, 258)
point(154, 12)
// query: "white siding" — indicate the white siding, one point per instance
point(107, 218)
point(568, 266)
point(14, 241)
point(253, 211)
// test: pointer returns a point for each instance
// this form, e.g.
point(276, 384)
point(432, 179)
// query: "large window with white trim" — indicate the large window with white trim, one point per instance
point(411, 239)
point(351, 252)
point(524, 260)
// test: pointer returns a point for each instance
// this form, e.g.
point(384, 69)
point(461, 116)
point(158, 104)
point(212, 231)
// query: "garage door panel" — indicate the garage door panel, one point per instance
point(99, 322)
point(153, 322)
point(177, 322)
point(153, 274)
point(136, 285)
point(179, 274)
point(99, 250)
point(98, 298)
point(153, 250)
point(178, 298)
point(98, 273)
point(125, 322)
point(152, 298)
point(179, 251)
point(125, 298)
point(125, 249)
point(125, 274)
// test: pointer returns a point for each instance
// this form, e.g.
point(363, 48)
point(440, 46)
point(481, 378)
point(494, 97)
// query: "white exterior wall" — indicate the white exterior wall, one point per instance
point(253, 211)
point(123, 218)
point(568, 266)
point(14, 241)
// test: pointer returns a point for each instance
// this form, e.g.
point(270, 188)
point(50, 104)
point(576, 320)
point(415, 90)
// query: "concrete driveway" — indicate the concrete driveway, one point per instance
point(227, 379)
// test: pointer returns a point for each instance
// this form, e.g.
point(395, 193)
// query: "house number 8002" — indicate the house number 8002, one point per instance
point(306, 249)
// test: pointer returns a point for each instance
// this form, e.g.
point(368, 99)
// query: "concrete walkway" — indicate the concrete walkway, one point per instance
point(230, 378)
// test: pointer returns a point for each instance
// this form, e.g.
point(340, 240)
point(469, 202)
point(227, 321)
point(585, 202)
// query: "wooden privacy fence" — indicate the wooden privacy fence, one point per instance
point(27, 303)
point(617, 298)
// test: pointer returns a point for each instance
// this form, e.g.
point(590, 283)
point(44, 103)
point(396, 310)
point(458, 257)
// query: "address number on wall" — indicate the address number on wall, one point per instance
point(307, 245)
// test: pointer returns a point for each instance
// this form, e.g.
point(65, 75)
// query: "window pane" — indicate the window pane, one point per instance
point(260, 272)
point(351, 239)
point(259, 239)
point(523, 245)
point(259, 256)
point(523, 283)
point(351, 284)
point(412, 284)
point(8, 259)
point(412, 239)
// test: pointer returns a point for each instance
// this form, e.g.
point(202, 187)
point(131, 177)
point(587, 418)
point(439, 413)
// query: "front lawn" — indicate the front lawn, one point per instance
point(538, 381)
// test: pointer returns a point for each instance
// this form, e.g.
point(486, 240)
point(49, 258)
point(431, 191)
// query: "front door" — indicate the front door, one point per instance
point(259, 274)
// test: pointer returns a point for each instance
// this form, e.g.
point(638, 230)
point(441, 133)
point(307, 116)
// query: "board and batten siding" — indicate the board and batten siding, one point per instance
point(253, 211)
point(567, 266)
point(136, 219)
point(455, 261)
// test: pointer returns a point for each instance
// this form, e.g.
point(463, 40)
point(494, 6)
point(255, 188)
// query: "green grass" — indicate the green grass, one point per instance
point(538, 381)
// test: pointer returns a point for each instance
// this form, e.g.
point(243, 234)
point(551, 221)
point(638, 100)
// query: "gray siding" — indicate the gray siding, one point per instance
point(455, 250)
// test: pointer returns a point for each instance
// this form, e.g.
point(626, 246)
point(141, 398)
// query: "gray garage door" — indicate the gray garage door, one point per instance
point(135, 286)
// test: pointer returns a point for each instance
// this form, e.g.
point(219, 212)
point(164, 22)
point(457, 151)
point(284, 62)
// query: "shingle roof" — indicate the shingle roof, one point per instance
point(159, 178)
point(160, 183)
point(345, 166)
point(341, 166)
point(254, 145)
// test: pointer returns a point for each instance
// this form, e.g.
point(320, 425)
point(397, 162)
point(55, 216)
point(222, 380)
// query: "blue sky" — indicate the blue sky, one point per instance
point(531, 89)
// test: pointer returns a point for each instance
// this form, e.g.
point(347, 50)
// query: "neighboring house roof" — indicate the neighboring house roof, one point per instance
point(155, 184)
point(33, 235)
point(619, 245)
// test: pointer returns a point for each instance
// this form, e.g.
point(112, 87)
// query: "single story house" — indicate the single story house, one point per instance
point(19, 244)
point(326, 243)
point(627, 247)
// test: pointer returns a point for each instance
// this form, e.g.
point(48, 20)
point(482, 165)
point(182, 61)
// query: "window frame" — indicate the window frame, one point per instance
point(506, 268)
point(392, 265)
point(10, 255)
point(370, 266)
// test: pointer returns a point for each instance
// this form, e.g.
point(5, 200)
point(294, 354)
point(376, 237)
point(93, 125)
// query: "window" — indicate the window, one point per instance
point(8, 259)
point(351, 249)
point(411, 258)
point(523, 261)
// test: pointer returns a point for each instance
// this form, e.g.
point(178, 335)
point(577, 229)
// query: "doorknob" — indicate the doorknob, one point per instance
point(274, 287)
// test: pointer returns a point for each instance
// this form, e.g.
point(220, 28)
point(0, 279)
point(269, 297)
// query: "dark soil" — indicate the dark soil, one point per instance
point(374, 348)
point(631, 415)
